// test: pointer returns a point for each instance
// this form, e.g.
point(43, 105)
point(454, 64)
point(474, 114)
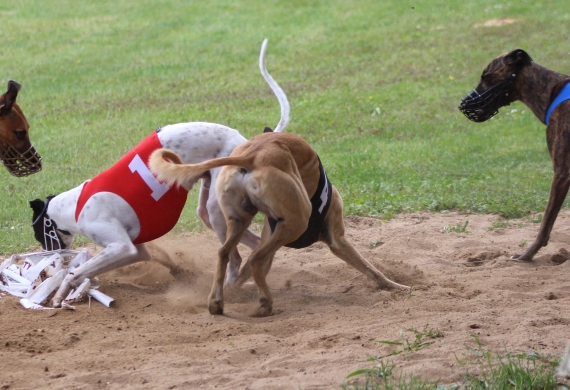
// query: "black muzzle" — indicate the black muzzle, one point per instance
point(479, 107)
point(20, 164)
point(46, 230)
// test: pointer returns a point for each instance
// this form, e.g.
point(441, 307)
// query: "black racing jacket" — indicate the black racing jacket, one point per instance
point(320, 203)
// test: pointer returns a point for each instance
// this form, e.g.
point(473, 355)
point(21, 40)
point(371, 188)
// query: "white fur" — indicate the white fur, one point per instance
point(109, 221)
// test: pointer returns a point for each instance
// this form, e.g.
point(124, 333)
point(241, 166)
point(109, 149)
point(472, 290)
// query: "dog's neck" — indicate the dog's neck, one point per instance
point(533, 78)
point(61, 209)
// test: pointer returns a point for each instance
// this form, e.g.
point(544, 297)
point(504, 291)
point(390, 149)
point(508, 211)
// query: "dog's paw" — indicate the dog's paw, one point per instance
point(216, 307)
point(519, 257)
point(56, 303)
point(265, 309)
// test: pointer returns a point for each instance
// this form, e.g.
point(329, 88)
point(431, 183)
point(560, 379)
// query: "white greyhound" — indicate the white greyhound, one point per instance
point(126, 206)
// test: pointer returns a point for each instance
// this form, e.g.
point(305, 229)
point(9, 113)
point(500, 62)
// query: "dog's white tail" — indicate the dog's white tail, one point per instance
point(283, 102)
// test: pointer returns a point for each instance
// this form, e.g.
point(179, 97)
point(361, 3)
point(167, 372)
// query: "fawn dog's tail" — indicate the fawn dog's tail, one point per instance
point(178, 173)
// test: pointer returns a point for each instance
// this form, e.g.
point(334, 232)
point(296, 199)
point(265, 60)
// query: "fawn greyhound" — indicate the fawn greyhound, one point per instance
point(280, 175)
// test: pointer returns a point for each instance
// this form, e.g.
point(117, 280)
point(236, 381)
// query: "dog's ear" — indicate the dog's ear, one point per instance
point(37, 205)
point(10, 97)
point(518, 56)
point(267, 130)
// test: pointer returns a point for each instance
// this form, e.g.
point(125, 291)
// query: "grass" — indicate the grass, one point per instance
point(458, 228)
point(422, 338)
point(374, 87)
point(506, 370)
point(382, 377)
point(485, 370)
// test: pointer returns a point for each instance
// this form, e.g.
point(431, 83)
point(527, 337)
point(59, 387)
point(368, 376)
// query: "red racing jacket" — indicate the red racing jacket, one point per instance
point(157, 206)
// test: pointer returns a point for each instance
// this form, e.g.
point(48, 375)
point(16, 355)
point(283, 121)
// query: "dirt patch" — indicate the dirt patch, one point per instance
point(327, 318)
point(495, 23)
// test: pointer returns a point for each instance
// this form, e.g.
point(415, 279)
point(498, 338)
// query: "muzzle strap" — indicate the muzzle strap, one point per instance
point(50, 235)
point(49, 229)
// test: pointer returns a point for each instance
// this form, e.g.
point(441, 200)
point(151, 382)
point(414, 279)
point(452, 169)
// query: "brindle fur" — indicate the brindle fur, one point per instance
point(537, 86)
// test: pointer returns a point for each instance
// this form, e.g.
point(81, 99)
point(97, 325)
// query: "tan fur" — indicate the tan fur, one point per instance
point(277, 174)
point(12, 119)
point(174, 174)
point(16, 151)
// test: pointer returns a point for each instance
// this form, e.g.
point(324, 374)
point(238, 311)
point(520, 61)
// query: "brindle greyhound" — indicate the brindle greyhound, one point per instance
point(515, 76)
point(16, 152)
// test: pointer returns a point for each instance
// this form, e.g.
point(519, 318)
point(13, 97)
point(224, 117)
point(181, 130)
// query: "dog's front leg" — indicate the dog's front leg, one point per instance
point(115, 255)
point(559, 150)
point(558, 192)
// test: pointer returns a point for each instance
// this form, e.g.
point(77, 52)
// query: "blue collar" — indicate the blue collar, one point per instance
point(562, 96)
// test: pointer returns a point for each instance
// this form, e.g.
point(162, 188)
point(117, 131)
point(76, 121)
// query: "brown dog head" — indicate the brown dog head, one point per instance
point(16, 150)
point(502, 68)
point(496, 87)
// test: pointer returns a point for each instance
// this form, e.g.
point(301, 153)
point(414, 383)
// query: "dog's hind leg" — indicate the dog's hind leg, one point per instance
point(115, 255)
point(333, 236)
point(292, 209)
point(162, 257)
point(245, 271)
point(261, 259)
point(217, 222)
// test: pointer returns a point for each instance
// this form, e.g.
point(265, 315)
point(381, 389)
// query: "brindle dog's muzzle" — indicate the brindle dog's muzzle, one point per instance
point(20, 164)
point(480, 107)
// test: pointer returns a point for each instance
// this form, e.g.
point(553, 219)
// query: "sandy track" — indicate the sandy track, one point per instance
point(327, 316)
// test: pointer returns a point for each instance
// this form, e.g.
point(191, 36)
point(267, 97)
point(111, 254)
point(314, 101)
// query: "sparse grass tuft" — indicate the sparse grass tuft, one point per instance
point(382, 377)
point(420, 340)
point(503, 371)
point(499, 224)
point(377, 243)
point(486, 370)
point(459, 228)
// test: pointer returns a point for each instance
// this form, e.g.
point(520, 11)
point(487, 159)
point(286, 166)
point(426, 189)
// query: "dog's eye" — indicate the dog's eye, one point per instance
point(20, 134)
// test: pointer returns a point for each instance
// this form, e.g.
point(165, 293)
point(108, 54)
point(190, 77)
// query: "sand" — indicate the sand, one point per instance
point(328, 318)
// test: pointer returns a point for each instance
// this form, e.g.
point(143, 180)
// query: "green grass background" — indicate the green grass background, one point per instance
point(373, 85)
